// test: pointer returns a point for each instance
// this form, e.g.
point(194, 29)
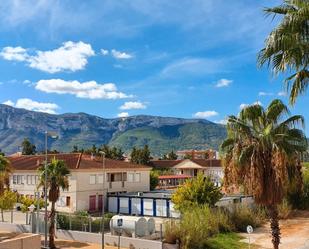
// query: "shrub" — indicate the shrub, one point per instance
point(242, 216)
point(196, 226)
point(284, 209)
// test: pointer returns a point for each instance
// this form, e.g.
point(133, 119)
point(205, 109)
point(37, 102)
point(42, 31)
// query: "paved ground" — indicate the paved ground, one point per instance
point(74, 244)
point(294, 233)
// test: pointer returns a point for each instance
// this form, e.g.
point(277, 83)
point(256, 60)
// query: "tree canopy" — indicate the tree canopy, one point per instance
point(28, 148)
point(197, 191)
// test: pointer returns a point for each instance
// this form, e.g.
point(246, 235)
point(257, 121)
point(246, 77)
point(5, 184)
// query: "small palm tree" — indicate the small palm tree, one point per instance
point(5, 171)
point(287, 46)
point(260, 148)
point(57, 178)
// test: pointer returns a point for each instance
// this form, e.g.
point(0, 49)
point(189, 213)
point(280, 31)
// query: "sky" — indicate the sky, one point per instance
point(188, 58)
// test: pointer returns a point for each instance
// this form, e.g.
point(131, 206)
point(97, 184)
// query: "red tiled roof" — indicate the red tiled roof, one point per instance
point(72, 160)
point(163, 177)
point(162, 164)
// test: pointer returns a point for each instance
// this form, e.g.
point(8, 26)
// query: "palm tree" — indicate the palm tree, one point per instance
point(260, 147)
point(5, 171)
point(57, 178)
point(287, 46)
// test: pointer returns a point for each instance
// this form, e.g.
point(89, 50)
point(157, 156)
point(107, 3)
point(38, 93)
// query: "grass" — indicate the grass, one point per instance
point(306, 165)
point(226, 241)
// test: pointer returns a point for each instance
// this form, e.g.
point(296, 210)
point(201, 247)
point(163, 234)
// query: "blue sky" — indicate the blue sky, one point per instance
point(189, 58)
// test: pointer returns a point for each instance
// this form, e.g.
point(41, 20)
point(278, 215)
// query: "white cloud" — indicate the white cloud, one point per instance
point(71, 56)
point(32, 105)
point(132, 105)
point(282, 94)
point(104, 52)
point(192, 66)
point(242, 106)
point(265, 94)
point(205, 114)
point(223, 83)
point(123, 115)
point(88, 89)
point(121, 55)
point(9, 102)
point(14, 54)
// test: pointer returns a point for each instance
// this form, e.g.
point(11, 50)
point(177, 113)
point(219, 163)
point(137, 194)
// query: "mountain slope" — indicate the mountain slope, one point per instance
point(161, 133)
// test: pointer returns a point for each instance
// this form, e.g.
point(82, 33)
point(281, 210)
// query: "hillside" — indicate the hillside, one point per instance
point(161, 133)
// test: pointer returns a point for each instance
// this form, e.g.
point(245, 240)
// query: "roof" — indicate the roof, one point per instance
point(163, 164)
point(74, 161)
point(163, 177)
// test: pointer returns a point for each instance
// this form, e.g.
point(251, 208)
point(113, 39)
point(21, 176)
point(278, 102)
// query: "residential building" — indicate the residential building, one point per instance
point(188, 168)
point(85, 180)
point(197, 154)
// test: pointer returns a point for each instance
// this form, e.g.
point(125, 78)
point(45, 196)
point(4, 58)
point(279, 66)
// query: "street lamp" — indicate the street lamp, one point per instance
point(52, 135)
point(103, 168)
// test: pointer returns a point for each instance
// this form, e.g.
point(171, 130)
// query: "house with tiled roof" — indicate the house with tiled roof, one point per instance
point(181, 170)
point(86, 179)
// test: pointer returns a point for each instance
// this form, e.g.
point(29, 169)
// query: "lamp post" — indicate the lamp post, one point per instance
point(103, 169)
point(45, 185)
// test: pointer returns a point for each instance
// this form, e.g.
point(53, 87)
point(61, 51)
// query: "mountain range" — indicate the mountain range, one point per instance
point(162, 134)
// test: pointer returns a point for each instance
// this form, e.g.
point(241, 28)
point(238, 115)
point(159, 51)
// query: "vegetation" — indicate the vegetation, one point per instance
point(225, 241)
point(161, 140)
point(141, 156)
point(197, 191)
point(26, 202)
point(57, 178)
point(242, 216)
point(28, 148)
point(259, 149)
point(170, 156)
point(286, 47)
point(5, 171)
point(8, 200)
point(154, 179)
point(110, 152)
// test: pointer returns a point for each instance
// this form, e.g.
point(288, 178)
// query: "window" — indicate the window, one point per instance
point(130, 177)
point(137, 177)
point(100, 179)
point(92, 179)
point(14, 179)
point(28, 179)
point(68, 201)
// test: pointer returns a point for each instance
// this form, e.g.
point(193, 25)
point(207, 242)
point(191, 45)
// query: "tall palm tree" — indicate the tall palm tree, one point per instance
point(287, 46)
point(260, 147)
point(57, 178)
point(5, 171)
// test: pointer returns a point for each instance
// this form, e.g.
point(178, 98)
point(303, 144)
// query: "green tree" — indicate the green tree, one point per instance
point(188, 156)
point(170, 156)
point(287, 48)
point(141, 156)
point(154, 179)
point(261, 144)
point(112, 152)
point(26, 202)
point(197, 191)
point(27, 147)
point(57, 178)
point(5, 171)
point(8, 200)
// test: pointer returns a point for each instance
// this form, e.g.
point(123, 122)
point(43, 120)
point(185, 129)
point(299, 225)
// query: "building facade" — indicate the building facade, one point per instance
point(86, 179)
point(188, 168)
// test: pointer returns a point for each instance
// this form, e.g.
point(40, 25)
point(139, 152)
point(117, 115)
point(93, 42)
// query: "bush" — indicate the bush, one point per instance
point(242, 216)
point(196, 226)
point(284, 209)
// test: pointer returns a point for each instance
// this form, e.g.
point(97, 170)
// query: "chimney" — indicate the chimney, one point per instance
point(92, 157)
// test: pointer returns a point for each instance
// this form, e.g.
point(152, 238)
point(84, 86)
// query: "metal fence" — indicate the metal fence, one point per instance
point(82, 223)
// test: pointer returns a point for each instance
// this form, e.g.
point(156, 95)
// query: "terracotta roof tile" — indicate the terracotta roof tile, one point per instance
point(73, 161)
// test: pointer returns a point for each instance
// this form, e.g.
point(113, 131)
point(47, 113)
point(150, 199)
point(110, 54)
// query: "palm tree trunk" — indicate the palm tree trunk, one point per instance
point(274, 225)
point(52, 227)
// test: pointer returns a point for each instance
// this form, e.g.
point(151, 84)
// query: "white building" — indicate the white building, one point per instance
point(85, 181)
point(188, 168)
